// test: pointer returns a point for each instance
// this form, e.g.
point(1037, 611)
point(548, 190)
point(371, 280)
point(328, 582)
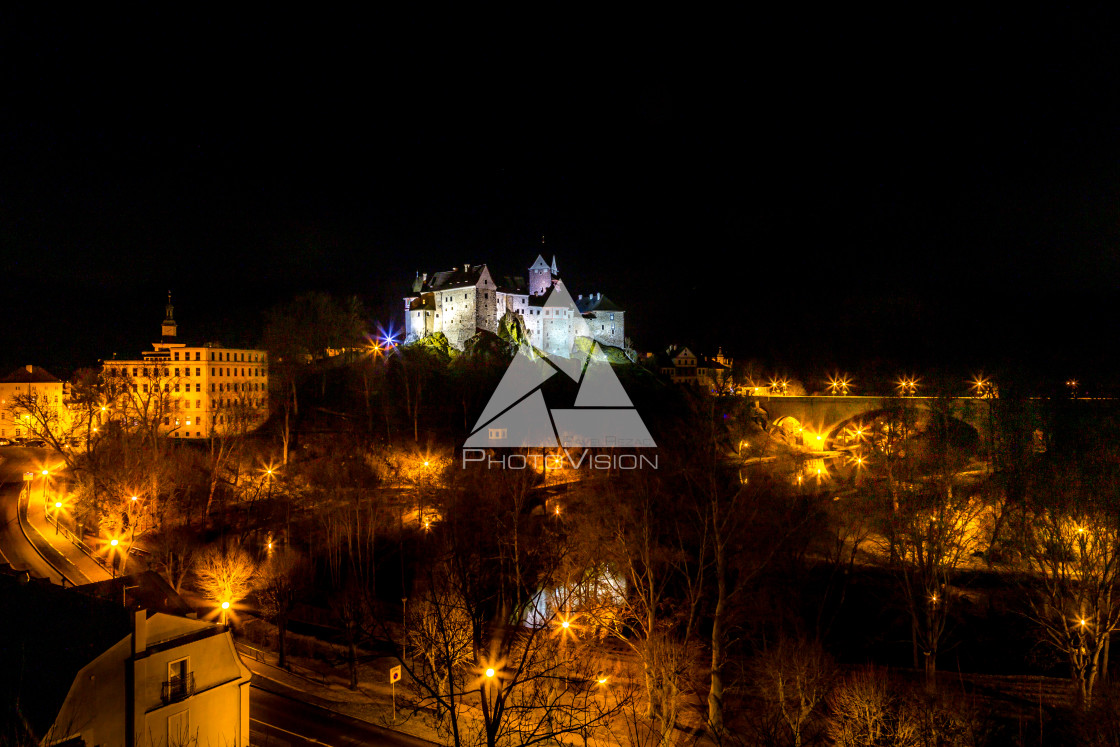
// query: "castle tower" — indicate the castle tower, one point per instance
point(540, 277)
point(169, 326)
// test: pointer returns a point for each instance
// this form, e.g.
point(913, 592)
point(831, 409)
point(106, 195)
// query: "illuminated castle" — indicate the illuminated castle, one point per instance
point(462, 301)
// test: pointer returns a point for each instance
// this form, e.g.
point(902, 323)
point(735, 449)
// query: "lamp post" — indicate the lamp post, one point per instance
point(46, 475)
point(404, 620)
point(112, 560)
point(57, 511)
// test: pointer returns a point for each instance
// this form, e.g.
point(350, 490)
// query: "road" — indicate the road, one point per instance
point(14, 461)
point(280, 721)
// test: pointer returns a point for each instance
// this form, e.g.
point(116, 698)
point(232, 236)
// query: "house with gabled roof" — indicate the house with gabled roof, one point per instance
point(79, 669)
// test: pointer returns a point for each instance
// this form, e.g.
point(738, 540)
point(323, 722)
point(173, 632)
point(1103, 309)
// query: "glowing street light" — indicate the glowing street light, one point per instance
point(907, 385)
point(839, 385)
point(982, 386)
point(490, 672)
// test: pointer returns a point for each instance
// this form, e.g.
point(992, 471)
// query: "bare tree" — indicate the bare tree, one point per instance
point(174, 554)
point(1074, 550)
point(225, 576)
point(301, 337)
point(795, 677)
point(278, 584)
point(635, 563)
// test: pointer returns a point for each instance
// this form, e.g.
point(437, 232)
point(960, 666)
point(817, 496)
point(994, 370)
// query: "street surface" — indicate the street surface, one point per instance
point(280, 721)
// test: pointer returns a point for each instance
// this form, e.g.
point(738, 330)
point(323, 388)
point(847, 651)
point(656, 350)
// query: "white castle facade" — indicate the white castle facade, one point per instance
point(462, 301)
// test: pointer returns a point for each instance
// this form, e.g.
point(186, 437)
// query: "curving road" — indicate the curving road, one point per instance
point(14, 547)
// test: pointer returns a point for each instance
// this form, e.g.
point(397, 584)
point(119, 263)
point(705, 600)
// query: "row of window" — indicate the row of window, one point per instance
point(136, 372)
point(218, 356)
point(185, 404)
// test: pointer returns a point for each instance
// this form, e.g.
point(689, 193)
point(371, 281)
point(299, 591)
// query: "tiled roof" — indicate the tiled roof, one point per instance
point(36, 375)
point(512, 284)
point(460, 277)
point(596, 302)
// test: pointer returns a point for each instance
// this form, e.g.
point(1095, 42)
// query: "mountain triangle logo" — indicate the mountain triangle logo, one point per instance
point(517, 415)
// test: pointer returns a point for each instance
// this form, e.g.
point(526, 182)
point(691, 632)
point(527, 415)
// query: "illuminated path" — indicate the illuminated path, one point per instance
point(14, 546)
point(827, 416)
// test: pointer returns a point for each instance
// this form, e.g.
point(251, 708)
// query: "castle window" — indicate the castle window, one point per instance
point(176, 356)
point(612, 317)
point(197, 355)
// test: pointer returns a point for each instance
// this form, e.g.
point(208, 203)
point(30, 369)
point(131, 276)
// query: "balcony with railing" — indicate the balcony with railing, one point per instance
point(177, 688)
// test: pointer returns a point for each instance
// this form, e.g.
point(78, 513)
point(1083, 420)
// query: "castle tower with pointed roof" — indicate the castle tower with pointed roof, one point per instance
point(540, 277)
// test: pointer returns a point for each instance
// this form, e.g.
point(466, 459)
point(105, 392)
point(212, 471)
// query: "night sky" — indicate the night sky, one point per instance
point(817, 193)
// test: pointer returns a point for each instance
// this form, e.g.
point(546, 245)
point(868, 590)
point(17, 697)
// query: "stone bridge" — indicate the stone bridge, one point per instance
point(825, 417)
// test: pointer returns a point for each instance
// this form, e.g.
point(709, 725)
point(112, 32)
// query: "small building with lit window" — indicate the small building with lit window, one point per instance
point(190, 391)
point(682, 366)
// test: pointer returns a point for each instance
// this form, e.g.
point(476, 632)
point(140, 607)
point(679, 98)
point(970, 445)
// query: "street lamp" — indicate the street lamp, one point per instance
point(46, 474)
point(57, 511)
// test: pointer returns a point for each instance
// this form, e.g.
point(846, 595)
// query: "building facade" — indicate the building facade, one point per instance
point(460, 302)
point(683, 366)
point(189, 391)
point(172, 681)
point(32, 398)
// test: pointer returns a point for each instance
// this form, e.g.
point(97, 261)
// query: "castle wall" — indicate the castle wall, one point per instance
point(486, 315)
point(607, 330)
point(456, 309)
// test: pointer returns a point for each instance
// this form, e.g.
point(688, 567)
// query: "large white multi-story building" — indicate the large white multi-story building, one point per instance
point(462, 301)
point(190, 391)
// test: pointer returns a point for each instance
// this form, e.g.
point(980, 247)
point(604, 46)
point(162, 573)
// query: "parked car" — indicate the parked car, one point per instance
point(5, 442)
point(35, 442)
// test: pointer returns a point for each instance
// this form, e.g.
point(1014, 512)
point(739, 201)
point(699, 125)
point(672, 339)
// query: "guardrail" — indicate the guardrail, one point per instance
point(77, 542)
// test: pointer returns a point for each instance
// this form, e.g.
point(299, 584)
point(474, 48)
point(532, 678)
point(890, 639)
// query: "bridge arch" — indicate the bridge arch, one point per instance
point(823, 418)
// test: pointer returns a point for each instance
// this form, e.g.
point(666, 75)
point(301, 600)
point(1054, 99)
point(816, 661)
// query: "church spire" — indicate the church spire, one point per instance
point(169, 326)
